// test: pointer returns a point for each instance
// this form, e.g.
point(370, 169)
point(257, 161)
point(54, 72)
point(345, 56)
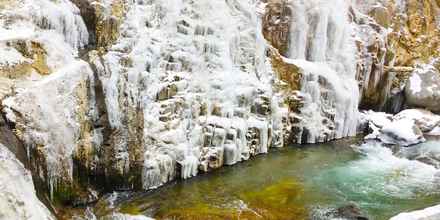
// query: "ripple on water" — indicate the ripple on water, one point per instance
point(381, 182)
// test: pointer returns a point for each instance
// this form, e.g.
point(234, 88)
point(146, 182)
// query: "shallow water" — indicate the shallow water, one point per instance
point(292, 182)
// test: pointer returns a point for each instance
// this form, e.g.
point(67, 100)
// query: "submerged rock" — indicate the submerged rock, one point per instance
point(350, 212)
point(346, 212)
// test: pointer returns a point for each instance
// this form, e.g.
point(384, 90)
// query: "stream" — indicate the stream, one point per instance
point(301, 182)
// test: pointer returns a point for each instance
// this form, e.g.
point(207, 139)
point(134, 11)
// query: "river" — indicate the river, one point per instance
point(300, 182)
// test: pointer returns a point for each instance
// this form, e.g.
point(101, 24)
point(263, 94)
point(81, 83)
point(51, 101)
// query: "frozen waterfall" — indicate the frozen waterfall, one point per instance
point(322, 45)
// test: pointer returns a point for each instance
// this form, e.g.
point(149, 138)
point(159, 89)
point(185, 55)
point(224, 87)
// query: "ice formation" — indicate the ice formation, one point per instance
point(321, 44)
point(186, 87)
point(191, 72)
point(38, 18)
point(40, 38)
point(50, 112)
point(18, 199)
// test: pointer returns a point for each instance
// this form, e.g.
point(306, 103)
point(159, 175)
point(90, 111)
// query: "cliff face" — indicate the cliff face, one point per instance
point(134, 94)
point(397, 36)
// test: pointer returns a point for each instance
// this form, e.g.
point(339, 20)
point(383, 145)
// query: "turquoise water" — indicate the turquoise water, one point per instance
point(292, 182)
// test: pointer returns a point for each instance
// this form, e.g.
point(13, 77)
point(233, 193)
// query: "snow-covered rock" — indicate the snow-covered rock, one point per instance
point(405, 129)
point(45, 90)
point(374, 122)
point(50, 115)
point(18, 199)
point(427, 152)
point(431, 213)
point(38, 37)
point(424, 119)
point(435, 131)
point(423, 88)
point(403, 132)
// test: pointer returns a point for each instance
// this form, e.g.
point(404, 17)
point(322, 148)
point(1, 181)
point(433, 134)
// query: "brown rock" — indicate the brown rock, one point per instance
point(276, 24)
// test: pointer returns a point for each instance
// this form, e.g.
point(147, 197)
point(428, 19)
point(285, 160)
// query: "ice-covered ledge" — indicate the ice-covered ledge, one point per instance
point(431, 213)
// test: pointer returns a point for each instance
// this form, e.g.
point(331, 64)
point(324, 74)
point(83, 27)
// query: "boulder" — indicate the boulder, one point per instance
point(424, 119)
point(403, 132)
point(350, 212)
point(431, 213)
point(402, 129)
point(423, 88)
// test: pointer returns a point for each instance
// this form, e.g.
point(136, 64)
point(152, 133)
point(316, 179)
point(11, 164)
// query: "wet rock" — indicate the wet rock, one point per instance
point(51, 136)
point(90, 196)
point(8, 139)
point(212, 158)
point(289, 73)
point(350, 212)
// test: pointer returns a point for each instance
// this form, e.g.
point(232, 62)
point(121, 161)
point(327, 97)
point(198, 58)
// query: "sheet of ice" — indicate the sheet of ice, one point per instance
point(62, 16)
point(55, 26)
point(321, 44)
point(49, 112)
point(18, 199)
